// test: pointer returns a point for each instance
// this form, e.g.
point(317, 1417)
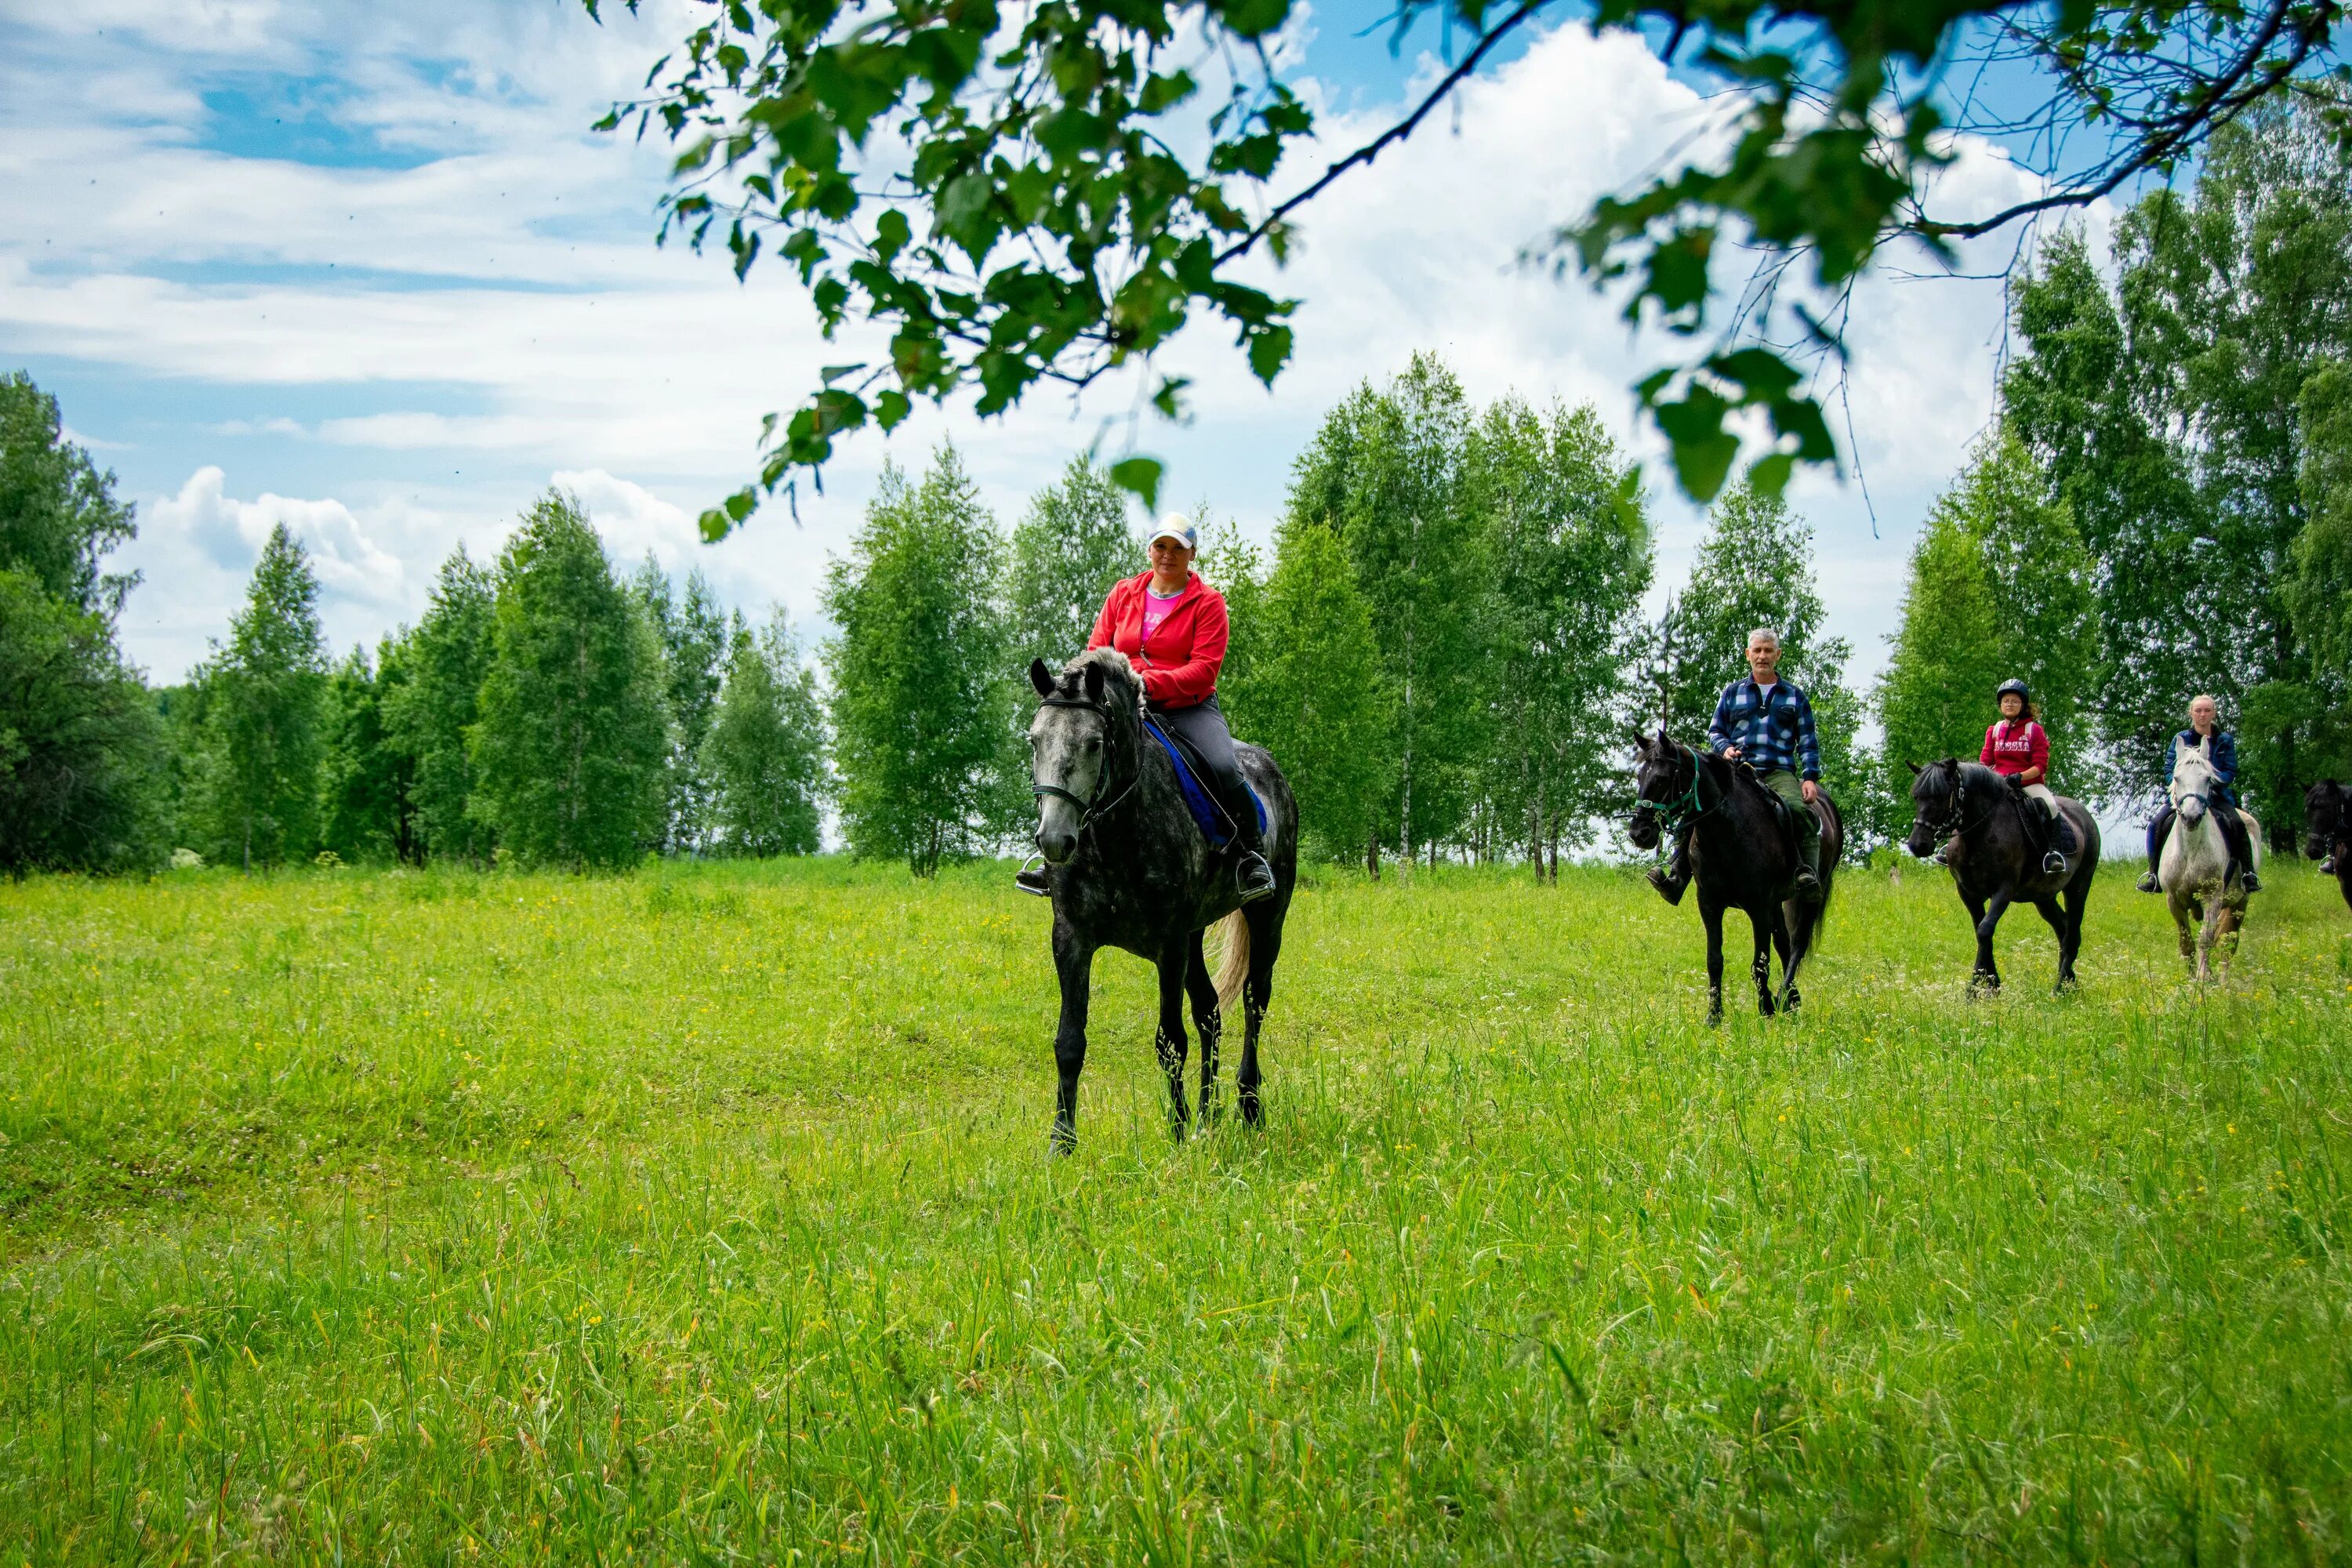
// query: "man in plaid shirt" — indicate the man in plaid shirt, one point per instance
point(1767, 722)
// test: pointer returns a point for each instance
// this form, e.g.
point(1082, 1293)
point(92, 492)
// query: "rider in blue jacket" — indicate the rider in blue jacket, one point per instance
point(2220, 749)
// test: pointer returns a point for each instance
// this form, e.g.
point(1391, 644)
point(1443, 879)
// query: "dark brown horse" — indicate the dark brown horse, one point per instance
point(1996, 857)
point(2327, 830)
point(1743, 855)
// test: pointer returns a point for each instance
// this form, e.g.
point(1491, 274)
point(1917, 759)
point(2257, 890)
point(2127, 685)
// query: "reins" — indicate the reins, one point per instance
point(1090, 811)
point(1676, 814)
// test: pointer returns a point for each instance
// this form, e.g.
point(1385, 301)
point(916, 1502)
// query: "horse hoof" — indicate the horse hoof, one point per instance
point(1062, 1144)
point(1715, 1019)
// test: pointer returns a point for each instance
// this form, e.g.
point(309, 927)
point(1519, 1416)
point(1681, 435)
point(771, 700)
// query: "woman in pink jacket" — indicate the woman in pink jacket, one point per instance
point(2016, 747)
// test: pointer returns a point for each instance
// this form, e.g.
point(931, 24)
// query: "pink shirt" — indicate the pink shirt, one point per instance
point(1156, 607)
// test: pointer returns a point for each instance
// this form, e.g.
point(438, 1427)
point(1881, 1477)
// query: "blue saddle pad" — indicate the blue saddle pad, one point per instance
point(1197, 798)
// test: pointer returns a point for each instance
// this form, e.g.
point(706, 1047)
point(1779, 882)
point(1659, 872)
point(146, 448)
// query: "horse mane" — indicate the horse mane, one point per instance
point(1122, 688)
point(1964, 775)
point(1976, 775)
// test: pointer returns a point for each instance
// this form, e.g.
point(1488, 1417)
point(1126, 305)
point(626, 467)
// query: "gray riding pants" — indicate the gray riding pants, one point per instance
point(1200, 730)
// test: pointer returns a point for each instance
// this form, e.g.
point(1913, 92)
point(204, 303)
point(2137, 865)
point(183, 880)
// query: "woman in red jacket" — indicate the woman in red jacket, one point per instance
point(2016, 748)
point(1171, 627)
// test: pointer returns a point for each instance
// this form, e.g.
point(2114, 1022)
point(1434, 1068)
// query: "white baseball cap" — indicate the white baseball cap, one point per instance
point(1176, 527)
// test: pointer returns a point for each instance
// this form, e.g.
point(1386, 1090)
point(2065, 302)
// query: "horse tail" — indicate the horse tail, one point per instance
point(1232, 969)
point(1819, 918)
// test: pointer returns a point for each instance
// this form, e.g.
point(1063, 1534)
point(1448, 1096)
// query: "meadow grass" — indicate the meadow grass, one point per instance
point(703, 1215)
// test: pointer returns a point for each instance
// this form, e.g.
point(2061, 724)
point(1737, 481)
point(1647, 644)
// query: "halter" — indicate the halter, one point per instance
point(1088, 810)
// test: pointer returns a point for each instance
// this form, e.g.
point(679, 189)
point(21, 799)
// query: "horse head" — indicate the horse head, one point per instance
point(1937, 795)
point(2325, 817)
point(1665, 773)
point(2193, 784)
point(1081, 744)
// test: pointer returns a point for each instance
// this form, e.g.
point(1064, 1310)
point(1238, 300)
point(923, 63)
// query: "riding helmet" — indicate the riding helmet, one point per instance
point(2007, 687)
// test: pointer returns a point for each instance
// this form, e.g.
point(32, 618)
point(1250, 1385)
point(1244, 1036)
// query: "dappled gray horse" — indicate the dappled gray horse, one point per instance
point(1128, 868)
point(1979, 821)
point(2199, 878)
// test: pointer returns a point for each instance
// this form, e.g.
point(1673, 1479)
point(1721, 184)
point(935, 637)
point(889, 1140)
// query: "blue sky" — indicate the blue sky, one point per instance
point(365, 270)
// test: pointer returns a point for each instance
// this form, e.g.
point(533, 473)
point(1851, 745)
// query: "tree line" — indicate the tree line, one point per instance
point(1443, 642)
point(2164, 506)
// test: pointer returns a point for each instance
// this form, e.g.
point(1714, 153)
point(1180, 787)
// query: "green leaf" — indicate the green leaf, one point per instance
point(1770, 474)
point(1140, 475)
point(1269, 351)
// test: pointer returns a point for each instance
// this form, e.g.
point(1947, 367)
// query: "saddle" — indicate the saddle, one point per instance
point(1199, 799)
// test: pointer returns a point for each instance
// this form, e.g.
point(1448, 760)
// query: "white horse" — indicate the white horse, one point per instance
point(2195, 874)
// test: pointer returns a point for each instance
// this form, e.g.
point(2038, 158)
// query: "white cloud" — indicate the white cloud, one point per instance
point(347, 559)
point(633, 521)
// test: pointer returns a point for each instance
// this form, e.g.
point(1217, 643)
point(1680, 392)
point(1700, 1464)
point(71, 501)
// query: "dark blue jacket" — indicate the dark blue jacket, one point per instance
point(2221, 751)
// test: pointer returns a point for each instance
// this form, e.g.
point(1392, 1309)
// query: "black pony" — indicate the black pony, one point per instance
point(1743, 855)
point(1128, 868)
point(2327, 830)
point(1996, 858)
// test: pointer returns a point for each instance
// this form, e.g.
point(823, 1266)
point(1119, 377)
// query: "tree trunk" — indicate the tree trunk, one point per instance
point(1372, 857)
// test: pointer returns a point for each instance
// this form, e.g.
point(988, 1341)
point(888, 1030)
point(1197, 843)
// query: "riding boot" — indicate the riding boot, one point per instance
point(1031, 880)
point(1807, 886)
point(2158, 831)
point(1252, 873)
point(2241, 848)
point(1670, 881)
point(1253, 877)
point(2053, 834)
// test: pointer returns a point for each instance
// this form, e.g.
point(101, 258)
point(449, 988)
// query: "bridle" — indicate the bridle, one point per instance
point(1678, 813)
point(1951, 824)
point(1089, 810)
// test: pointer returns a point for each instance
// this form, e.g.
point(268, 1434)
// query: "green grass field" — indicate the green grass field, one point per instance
point(703, 1215)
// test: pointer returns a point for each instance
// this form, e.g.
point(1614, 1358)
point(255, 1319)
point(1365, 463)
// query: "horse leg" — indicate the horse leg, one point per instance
point(1711, 913)
point(1207, 1022)
point(1257, 990)
point(2055, 918)
point(1762, 927)
point(1074, 963)
point(1984, 977)
point(1791, 936)
point(1169, 1040)
point(1995, 906)
point(2070, 945)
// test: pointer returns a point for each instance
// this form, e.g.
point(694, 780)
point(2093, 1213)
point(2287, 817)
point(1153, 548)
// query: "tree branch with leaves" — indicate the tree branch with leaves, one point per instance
point(1003, 197)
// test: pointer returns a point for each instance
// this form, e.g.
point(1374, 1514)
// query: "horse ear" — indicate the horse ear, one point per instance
point(1041, 677)
point(1094, 683)
point(1913, 767)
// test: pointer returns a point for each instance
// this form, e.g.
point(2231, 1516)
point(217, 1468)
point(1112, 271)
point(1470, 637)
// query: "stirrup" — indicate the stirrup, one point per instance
point(2148, 884)
point(1030, 878)
point(1254, 887)
point(2052, 863)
